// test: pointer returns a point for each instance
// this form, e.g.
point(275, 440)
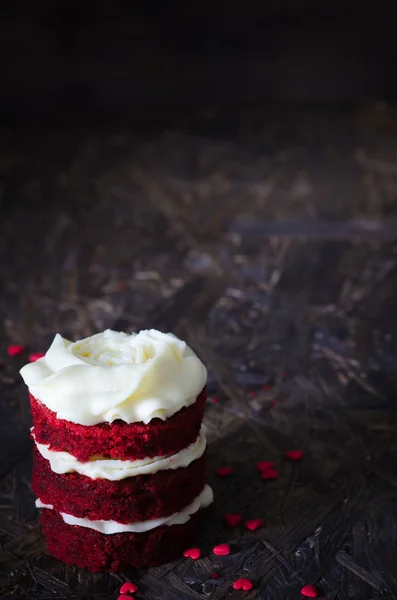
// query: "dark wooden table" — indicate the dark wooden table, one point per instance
point(267, 239)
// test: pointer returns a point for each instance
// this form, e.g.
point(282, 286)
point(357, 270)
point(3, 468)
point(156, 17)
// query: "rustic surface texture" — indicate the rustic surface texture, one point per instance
point(268, 241)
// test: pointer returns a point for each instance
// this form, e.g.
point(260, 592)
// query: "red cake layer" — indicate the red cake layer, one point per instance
point(132, 499)
point(92, 550)
point(119, 439)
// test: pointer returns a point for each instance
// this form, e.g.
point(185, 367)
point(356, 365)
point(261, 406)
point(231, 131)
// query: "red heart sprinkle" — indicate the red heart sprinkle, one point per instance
point(214, 575)
point(264, 465)
point(274, 402)
point(224, 471)
point(15, 350)
point(215, 400)
point(253, 394)
point(124, 597)
point(253, 524)
point(294, 454)
point(35, 356)
point(193, 553)
point(221, 550)
point(128, 588)
point(266, 387)
point(242, 584)
point(232, 520)
point(269, 474)
point(309, 591)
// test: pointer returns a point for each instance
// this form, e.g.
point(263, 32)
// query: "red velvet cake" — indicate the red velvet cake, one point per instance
point(119, 460)
point(118, 551)
point(119, 439)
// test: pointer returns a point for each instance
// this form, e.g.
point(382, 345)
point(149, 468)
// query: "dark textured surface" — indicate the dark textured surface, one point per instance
point(268, 241)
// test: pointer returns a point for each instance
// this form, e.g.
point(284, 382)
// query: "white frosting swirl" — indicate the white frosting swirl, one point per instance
point(108, 527)
point(115, 470)
point(114, 375)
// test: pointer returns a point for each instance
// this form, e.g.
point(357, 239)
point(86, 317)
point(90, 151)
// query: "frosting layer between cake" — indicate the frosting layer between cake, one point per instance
point(115, 470)
point(109, 527)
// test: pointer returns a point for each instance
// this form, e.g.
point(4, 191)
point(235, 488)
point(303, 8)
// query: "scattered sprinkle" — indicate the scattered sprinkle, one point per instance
point(128, 588)
point(253, 394)
point(124, 597)
point(309, 591)
point(193, 553)
point(253, 524)
point(233, 520)
point(215, 400)
point(264, 465)
point(269, 474)
point(242, 584)
point(214, 575)
point(294, 454)
point(15, 350)
point(224, 471)
point(221, 550)
point(274, 402)
point(35, 356)
point(266, 387)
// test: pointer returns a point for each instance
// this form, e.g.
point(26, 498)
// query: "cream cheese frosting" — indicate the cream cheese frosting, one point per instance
point(114, 375)
point(108, 527)
point(115, 470)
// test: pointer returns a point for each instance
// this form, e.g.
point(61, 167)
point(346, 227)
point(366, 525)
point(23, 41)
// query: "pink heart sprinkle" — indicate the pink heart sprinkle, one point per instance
point(224, 471)
point(270, 474)
point(232, 520)
point(35, 356)
point(215, 400)
point(15, 350)
point(264, 465)
point(214, 575)
point(128, 588)
point(294, 454)
point(243, 584)
point(254, 524)
point(124, 597)
point(309, 591)
point(221, 550)
point(193, 553)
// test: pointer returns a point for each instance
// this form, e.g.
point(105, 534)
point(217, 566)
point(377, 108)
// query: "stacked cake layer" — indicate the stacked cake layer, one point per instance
point(119, 461)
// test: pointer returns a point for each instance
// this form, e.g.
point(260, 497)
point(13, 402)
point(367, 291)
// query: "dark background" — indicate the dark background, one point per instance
point(229, 174)
point(68, 60)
